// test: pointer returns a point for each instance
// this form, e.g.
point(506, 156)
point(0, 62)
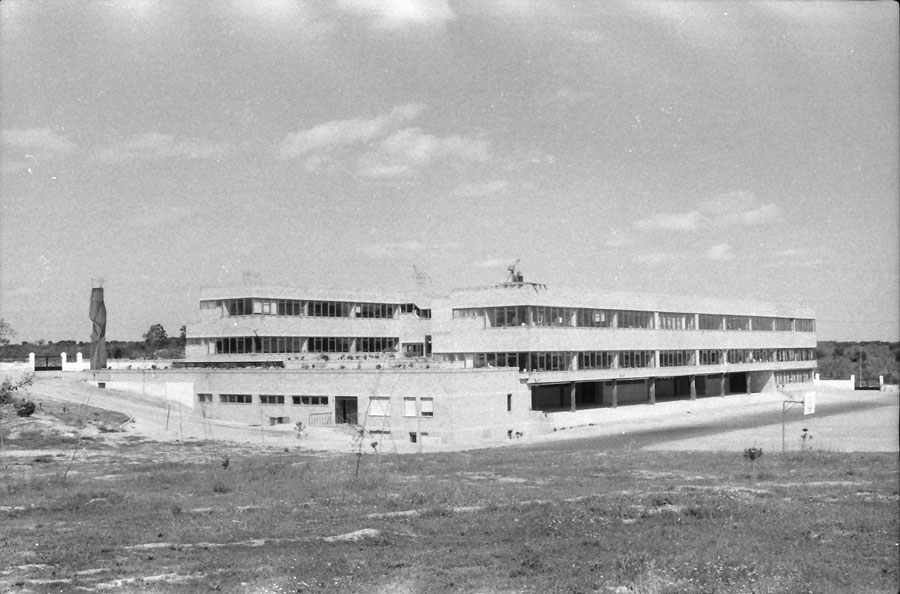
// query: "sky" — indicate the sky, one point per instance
point(732, 150)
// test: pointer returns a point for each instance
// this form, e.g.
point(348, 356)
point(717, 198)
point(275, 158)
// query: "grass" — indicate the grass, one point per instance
point(510, 520)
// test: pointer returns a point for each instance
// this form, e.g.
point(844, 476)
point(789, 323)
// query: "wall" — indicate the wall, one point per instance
point(470, 406)
point(16, 370)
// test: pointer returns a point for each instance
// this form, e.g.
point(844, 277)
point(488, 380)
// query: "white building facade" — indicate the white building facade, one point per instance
point(485, 363)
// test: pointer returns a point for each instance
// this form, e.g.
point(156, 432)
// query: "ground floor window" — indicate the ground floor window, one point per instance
point(204, 397)
point(310, 400)
point(269, 399)
point(235, 398)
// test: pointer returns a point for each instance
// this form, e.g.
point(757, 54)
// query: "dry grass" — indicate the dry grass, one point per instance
point(513, 520)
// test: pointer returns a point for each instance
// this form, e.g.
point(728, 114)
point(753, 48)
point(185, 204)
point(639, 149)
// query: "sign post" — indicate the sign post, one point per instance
point(809, 407)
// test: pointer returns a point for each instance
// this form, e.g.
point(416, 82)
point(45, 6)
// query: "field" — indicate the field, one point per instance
point(584, 515)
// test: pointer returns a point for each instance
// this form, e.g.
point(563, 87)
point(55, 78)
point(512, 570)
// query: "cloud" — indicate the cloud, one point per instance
point(657, 258)
point(43, 141)
point(720, 252)
point(399, 14)
point(152, 145)
point(338, 133)
point(380, 251)
point(409, 148)
point(481, 190)
point(493, 263)
point(680, 222)
point(724, 210)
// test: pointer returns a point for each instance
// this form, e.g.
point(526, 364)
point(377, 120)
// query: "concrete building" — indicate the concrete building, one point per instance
point(478, 364)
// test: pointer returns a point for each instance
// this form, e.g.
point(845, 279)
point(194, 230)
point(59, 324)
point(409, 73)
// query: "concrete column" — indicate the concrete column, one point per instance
point(651, 390)
point(747, 380)
point(722, 386)
point(572, 396)
point(615, 394)
point(693, 387)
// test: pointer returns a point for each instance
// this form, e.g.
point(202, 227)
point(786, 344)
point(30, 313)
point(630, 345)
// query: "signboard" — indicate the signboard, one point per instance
point(809, 403)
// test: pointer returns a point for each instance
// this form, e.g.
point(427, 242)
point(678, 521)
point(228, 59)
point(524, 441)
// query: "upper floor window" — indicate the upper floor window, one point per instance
point(676, 321)
point(635, 319)
point(710, 322)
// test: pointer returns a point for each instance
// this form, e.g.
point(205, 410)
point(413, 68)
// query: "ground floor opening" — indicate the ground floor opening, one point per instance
point(345, 410)
point(572, 396)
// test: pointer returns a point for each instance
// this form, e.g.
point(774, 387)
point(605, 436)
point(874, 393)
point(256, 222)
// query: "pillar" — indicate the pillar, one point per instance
point(693, 387)
point(63, 357)
point(651, 389)
point(722, 386)
point(31, 361)
point(747, 380)
point(615, 394)
point(572, 396)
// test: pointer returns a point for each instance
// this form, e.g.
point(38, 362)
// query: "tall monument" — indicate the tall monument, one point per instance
point(98, 335)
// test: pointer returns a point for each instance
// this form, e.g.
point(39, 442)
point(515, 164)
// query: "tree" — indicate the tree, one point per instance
point(6, 332)
point(156, 337)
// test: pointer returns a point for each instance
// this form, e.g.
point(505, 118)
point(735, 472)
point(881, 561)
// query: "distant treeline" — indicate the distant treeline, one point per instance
point(866, 360)
point(173, 348)
point(837, 360)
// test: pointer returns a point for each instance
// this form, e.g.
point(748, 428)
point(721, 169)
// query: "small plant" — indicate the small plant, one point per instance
point(753, 454)
point(25, 408)
point(803, 437)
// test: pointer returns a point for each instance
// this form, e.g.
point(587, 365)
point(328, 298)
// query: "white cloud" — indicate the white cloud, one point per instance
point(680, 222)
point(38, 142)
point(481, 190)
point(152, 145)
point(398, 14)
point(380, 251)
point(720, 252)
point(407, 149)
point(493, 263)
point(346, 132)
point(657, 258)
point(728, 209)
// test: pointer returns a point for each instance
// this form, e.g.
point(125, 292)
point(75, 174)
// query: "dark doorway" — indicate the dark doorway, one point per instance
point(345, 410)
point(737, 383)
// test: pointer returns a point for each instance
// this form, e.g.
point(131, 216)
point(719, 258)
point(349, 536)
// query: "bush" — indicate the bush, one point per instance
point(25, 408)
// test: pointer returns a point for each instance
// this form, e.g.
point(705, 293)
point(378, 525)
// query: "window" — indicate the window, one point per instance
point(266, 399)
point(710, 357)
point(427, 407)
point(635, 319)
point(379, 407)
point(594, 318)
point(784, 324)
point(204, 397)
point(329, 344)
point(510, 316)
point(676, 321)
point(235, 398)
point(634, 359)
point(760, 324)
point(329, 309)
point(805, 325)
point(737, 323)
point(310, 400)
point(279, 420)
point(374, 310)
point(552, 361)
point(740, 356)
point(289, 307)
point(596, 360)
point(710, 322)
point(412, 438)
point(409, 407)
point(238, 307)
point(553, 316)
point(679, 358)
point(508, 402)
point(376, 344)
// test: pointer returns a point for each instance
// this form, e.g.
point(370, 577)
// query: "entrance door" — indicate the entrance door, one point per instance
point(345, 410)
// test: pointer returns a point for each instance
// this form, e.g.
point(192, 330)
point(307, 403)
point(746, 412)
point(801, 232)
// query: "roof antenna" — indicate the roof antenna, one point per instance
point(515, 275)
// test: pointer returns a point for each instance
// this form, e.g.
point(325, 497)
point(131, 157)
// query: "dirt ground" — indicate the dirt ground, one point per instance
point(845, 420)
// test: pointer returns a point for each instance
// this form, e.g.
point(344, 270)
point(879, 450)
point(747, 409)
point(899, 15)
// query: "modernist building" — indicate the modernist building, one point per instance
point(489, 362)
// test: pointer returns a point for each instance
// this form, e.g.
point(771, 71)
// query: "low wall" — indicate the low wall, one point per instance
point(138, 363)
point(16, 370)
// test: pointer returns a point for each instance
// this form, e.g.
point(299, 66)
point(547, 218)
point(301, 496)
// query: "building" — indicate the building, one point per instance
point(478, 364)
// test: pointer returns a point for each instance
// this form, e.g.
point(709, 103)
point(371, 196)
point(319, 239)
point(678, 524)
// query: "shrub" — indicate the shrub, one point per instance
point(25, 408)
